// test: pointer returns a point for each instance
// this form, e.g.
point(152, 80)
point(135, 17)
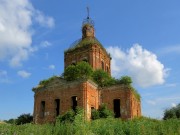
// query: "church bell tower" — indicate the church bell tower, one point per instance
point(88, 49)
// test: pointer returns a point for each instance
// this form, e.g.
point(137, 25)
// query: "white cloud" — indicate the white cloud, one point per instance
point(171, 49)
point(24, 74)
point(44, 20)
point(151, 102)
point(45, 44)
point(4, 76)
point(141, 64)
point(51, 67)
point(173, 105)
point(171, 85)
point(16, 21)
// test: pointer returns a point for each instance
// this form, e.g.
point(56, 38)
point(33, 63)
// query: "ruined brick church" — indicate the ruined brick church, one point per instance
point(59, 96)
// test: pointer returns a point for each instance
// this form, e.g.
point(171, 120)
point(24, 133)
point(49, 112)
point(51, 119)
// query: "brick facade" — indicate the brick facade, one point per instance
point(59, 96)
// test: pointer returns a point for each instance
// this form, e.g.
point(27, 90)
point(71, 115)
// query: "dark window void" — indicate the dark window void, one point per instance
point(73, 64)
point(102, 64)
point(117, 110)
point(85, 60)
point(74, 102)
point(92, 109)
point(42, 109)
point(107, 69)
point(57, 106)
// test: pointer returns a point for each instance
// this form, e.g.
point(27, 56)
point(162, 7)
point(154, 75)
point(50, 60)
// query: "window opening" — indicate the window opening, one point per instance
point(42, 109)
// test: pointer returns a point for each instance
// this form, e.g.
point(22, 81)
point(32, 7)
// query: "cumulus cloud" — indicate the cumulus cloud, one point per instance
point(141, 64)
point(24, 74)
point(16, 20)
point(51, 67)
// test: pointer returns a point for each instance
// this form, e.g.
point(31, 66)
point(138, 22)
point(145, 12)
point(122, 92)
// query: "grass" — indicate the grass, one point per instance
point(111, 126)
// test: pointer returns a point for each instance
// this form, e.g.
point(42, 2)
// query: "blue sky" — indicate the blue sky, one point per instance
point(143, 38)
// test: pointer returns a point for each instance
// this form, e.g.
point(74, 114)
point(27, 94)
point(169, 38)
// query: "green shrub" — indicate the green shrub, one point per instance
point(81, 70)
point(172, 113)
point(69, 116)
point(102, 112)
point(95, 114)
point(126, 80)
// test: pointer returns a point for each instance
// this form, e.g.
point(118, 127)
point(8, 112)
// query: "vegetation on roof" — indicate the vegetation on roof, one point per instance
point(83, 42)
point(83, 70)
point(45, 82)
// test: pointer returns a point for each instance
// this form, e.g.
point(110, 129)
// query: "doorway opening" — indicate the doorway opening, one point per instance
point(57, 106)
point(74, 102)
point(117, 110)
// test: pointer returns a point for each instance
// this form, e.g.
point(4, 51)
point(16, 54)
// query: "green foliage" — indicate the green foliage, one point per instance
point(11, 121)
point(71, 73)
point(102, 78)
point(84, 43)
point(85, 70)
point(95, 114)
point(46, 81)
point(126, 80)
point(102, 112)
point(70, 116)
point(22, 119)
point(109, 126)
point(81, 70)
point(172, 113)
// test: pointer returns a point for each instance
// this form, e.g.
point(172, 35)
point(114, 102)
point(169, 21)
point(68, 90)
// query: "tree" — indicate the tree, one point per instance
point(81, 70)
point(85, 70)
point(24, 118)
point(71, 73)
point(102, 78)
point(172, 113)
point(125, 80)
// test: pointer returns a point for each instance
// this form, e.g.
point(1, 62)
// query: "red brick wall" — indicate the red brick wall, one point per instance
point(57, 92)
point(88, 96)
point(93, 53)
point(129, 105)
point(92, 98)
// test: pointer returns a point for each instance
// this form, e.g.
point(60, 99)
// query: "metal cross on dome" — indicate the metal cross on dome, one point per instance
point(88, 20)
point(87, 12)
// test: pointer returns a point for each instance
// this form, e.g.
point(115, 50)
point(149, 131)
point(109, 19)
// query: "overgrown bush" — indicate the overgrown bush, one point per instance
point(81, 70)
point(126, 80)
point(172, 113)
point(70, 116)
point(102, 78)
point(102, 112)
point(22, 119)
point(109, 126)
